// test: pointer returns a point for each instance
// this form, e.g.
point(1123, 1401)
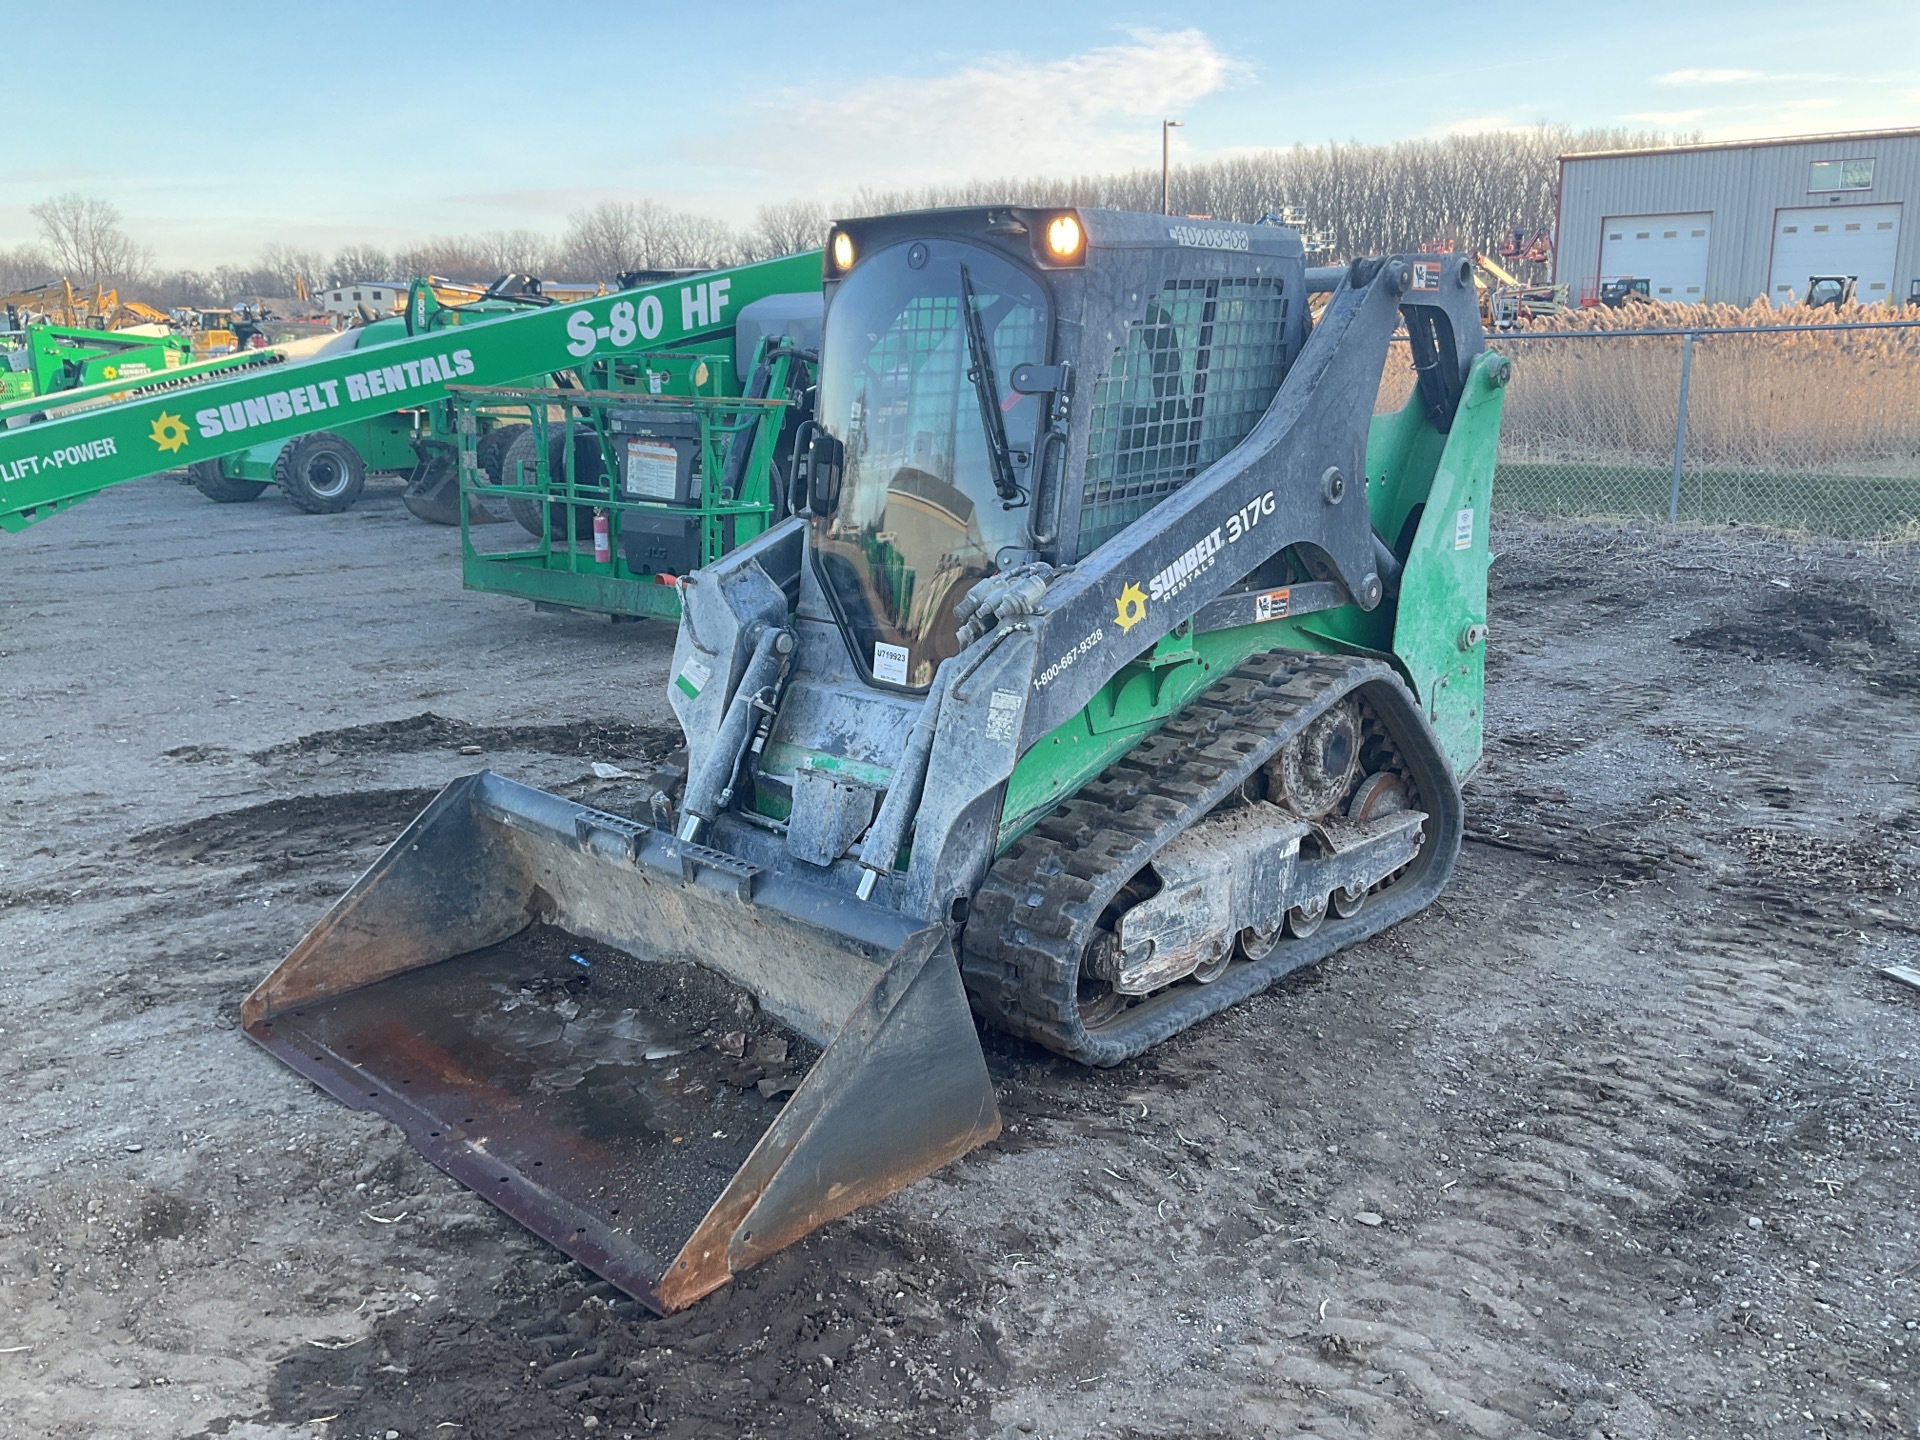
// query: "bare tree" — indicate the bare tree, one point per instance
point(358, 262)
point(1465, 191)
point(613, 236)
point(622, 235)
point(23, 267)
point(84, 238)
point(196, 289)
point(788, 228)
point(514, 252)
point(684, 240)
point(289, 266)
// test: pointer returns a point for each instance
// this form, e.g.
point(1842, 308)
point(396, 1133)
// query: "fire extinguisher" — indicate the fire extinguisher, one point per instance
point(602, 539)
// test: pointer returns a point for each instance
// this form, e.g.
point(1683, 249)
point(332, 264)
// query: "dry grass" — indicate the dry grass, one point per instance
point(1814, 430)
point(1844, 401)
point(1822, 399)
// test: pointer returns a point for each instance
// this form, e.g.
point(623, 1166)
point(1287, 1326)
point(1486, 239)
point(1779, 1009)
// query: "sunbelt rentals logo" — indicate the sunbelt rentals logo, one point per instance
point(170, 432)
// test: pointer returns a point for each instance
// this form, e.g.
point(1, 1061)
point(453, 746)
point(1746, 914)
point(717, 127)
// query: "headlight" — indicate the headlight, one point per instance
point(1064, 237)
point(842, 251)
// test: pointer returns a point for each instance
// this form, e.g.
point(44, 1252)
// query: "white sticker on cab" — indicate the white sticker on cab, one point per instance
point(890, 663)
point(1463, 530)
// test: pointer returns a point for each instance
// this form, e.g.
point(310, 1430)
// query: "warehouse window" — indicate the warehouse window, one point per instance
point(1644, 234)
point(1614, 236)
point(1826, 175)
point(1854, 226)
point(1699, 234)
point(1789, 229)
point(1671, 235)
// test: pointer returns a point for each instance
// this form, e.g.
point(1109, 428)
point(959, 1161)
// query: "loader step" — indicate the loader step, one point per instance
point(1045, 899)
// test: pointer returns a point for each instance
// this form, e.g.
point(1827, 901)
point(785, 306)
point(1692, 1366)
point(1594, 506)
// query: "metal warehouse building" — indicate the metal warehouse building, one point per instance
point(1729, 222)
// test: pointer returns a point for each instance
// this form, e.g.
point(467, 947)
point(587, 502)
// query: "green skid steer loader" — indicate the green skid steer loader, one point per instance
point(1115, 661)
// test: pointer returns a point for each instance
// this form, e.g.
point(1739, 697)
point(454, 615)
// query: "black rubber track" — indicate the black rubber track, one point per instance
point(1033, 918)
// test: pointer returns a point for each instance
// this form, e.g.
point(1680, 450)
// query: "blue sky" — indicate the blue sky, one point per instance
point(221, 126)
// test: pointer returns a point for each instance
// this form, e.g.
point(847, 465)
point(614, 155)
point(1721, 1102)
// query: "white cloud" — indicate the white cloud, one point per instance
point(1487, 124)
point(1666, 119)
point(999, 115)
point(1711, 77)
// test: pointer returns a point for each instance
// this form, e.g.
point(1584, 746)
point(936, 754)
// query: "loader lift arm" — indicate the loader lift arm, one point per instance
point(47, 467)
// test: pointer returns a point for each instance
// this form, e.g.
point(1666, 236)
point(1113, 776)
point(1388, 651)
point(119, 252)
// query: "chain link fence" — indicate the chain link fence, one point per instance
point(1807, 427)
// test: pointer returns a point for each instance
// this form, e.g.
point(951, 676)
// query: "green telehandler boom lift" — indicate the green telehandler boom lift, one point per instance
point(115, 430)
point(44, 366)
point(1115, 662)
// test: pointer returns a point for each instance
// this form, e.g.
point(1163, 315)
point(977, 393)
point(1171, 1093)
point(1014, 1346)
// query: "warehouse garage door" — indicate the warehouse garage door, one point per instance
point(1857, 240)
point(1669, 251)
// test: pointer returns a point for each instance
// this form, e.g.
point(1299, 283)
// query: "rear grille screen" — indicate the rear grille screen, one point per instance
point(1195, 374)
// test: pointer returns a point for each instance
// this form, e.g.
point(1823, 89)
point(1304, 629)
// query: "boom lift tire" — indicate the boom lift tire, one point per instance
point(221, 488)
point(321, 473)
point(493, 449)
point(589, 466)
point(516, 468)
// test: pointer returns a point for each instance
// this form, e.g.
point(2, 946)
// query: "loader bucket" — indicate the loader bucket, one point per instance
point(433, 495)
point(606, 1097)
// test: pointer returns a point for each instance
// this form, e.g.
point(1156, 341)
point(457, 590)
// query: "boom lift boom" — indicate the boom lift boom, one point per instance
point(44, 468)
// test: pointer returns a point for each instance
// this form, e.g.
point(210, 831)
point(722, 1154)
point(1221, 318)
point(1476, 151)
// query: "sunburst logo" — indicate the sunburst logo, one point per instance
point(111, 372)
point(170, 432)
point(1131, 608)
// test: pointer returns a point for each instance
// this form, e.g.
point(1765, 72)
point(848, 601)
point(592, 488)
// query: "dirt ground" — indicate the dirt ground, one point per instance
point(1618, 1139)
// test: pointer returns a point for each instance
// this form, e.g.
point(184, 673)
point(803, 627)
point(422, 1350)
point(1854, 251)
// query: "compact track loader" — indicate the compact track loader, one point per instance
point(1115, 661)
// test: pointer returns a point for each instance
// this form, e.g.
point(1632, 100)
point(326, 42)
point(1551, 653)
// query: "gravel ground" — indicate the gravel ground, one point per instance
point(1617, 1139)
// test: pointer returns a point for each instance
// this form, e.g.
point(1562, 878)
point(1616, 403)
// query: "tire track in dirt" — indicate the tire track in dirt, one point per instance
point(603, 739)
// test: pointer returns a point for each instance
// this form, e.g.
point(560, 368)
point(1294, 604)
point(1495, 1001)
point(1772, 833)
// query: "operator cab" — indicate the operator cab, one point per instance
point(1830, 291)
point(945, 413)
point(926, 448)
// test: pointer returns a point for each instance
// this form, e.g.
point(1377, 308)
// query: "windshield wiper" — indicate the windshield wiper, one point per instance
point(988, 394)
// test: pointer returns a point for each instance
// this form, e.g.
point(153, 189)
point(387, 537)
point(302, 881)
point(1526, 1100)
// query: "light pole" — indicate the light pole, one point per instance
point(1166, 192)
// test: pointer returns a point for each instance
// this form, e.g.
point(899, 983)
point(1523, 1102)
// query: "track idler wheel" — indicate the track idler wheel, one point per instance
point(1313, 771)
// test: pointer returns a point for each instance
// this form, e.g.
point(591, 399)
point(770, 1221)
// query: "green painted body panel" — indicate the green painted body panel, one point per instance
point(46, 467)
point(1419, 484)
point(1440, 616)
